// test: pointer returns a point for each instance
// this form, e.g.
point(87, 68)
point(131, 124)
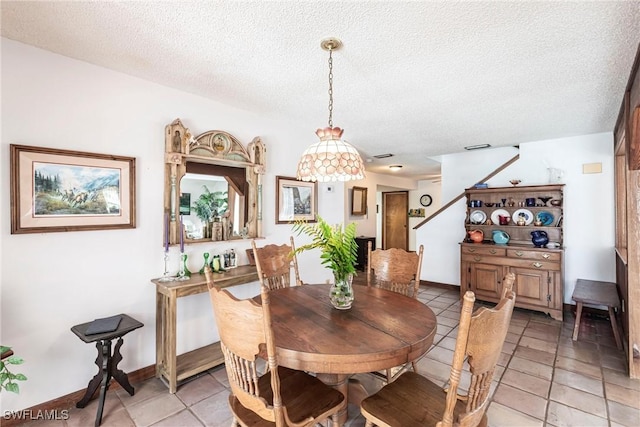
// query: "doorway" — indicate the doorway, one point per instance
point(395, 233)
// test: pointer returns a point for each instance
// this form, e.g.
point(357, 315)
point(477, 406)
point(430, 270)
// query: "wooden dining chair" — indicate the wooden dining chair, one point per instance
point(395, 270)
point(281, 396)
point(399, 271)
point(414, 401)
point(274, 264)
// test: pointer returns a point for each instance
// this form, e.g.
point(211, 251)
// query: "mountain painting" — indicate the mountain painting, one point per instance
point(62, 190)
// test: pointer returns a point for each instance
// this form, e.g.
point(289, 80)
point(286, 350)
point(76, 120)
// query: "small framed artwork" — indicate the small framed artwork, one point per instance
point(296, 200)
point(62, 190)
point(185, 203)
point(416, 213)
point(359, 201)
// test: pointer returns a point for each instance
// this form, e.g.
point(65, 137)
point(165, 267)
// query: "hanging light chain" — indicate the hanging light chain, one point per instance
point(330, 88)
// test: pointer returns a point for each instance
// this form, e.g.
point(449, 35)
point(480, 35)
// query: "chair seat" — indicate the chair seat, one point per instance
point(302, 394)
point(417, 402)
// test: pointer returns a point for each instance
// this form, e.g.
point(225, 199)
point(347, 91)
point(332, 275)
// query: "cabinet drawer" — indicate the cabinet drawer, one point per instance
point(537, 255)
point(483, 250)
point(534, 264)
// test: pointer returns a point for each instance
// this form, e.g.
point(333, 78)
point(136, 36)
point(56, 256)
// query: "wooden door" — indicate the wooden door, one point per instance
point(395, 208)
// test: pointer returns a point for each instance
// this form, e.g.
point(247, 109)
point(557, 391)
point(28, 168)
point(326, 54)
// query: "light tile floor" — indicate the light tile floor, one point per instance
point(543, 379)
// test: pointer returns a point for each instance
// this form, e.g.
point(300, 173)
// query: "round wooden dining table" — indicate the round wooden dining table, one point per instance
point(381, 330)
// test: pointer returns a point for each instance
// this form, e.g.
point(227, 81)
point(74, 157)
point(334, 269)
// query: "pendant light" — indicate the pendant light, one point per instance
point(332, 158)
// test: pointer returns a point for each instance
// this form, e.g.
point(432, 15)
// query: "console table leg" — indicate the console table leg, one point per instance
point(117, 374)
point(94, 383)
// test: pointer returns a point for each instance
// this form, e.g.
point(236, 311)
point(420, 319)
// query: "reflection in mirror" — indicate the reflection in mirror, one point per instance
point(213, 184)
point(207, 200)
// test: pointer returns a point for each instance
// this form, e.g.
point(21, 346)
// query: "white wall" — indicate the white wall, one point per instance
point(588, 204)
point(52, 281)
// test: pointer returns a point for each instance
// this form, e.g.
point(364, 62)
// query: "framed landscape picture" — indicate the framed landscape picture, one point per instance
point(295, 200)
point(62, 190)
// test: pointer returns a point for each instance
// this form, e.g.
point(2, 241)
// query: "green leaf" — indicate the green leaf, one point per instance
point(20, 377)
point(12, 387)
point(15, 360)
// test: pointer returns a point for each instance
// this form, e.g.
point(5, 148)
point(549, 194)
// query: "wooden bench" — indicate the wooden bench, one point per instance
point(597, 293)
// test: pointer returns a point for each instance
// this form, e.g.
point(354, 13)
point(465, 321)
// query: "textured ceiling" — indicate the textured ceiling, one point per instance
point(416, 79)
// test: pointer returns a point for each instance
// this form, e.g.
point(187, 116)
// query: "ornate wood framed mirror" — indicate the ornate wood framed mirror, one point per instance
point(212, 186)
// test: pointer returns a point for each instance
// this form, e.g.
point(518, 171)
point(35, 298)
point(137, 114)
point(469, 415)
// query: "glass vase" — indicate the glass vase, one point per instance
point(206, 262)
point(341, 292)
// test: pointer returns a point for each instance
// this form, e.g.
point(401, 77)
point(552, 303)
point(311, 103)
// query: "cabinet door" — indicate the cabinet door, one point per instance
point(485, 280)
point(532, 286)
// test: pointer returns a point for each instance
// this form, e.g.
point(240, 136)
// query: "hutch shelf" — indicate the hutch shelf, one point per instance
point(539, 270)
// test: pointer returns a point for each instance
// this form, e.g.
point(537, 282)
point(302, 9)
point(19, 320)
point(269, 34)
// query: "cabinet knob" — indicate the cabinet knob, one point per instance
point(493, 251)
point(537, 265)
point(477, 258)
point(518, 253)
point(471, 250)
point(545, 256)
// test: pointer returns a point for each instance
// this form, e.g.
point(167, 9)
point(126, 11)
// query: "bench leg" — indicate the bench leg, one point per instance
point(576, 327)
point(614, 325)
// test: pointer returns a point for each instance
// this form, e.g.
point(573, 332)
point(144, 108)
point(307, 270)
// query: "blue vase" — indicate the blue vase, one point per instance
point(539, 238)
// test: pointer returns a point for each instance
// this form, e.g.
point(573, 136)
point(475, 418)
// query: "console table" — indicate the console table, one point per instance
point(169, 365)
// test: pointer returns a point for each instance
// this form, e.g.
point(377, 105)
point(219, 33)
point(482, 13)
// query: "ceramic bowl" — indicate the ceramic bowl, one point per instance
point(489, 204)
point(515, 182)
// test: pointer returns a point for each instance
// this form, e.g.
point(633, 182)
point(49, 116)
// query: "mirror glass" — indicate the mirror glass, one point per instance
point(206, 198)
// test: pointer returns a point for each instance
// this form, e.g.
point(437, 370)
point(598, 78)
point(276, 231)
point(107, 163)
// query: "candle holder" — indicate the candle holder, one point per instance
point(183, 273)
point(165, 276)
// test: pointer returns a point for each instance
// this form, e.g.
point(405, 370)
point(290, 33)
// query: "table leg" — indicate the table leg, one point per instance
point(576, 327)
point(94, 383)
point(357, 392)
point(341, 383)
point(159, 332)
point(614, 325)
point(170, 346)
point(106, 377)
point(118, 374)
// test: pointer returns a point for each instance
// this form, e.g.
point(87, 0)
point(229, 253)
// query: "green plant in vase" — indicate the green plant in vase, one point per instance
point(339, 253)
point(209, 206)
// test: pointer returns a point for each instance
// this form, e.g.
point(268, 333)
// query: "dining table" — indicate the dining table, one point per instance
point(381, 330)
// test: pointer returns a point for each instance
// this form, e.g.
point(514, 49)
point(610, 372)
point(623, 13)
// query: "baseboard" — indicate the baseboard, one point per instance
point(69, 401)
point(426, 283)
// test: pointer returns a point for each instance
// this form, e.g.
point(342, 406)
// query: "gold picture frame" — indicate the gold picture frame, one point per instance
point(56, 190)
point(296, 200)
point(359, 201)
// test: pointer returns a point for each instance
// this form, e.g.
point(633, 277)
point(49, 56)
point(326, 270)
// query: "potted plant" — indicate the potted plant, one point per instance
point(339, 252)
point(209, 207)
point(7, 377)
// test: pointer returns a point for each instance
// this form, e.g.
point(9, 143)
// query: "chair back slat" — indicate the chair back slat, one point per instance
point(395, 269)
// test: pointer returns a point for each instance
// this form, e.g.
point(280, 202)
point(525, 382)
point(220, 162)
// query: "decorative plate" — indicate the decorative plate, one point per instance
point(494, 215)
point(477, 217)
point(545, 217)
point(523, 213)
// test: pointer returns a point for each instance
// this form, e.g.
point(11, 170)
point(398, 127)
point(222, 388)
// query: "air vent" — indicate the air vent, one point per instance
point(383, 156)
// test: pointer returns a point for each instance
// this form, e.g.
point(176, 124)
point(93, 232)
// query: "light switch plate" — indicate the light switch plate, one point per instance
point(592, 168)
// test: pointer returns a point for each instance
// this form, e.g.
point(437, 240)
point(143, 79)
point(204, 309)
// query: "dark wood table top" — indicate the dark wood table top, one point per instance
point(382, 329)
point(596, 293)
